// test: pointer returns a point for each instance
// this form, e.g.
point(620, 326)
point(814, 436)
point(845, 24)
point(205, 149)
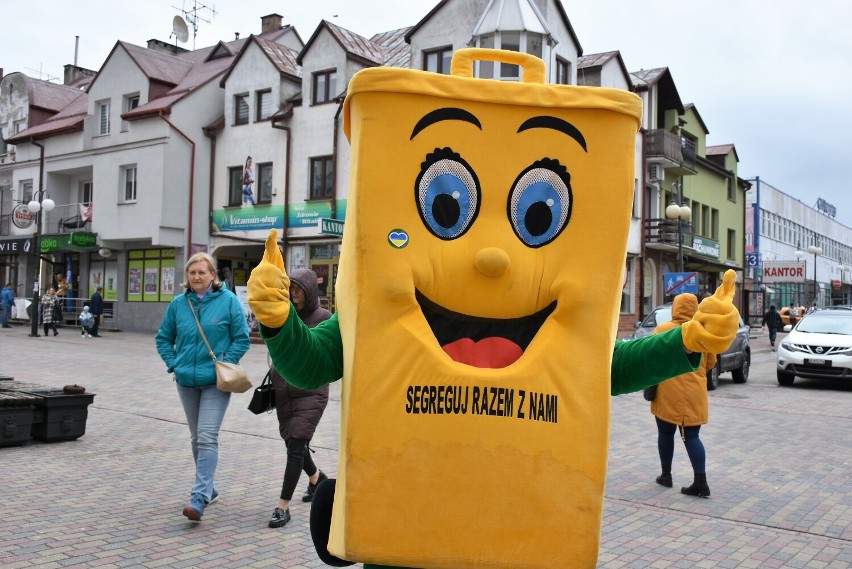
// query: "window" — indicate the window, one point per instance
point(130, 103)
point(714, 228)
point(86, 192)
point(235, 185)
point(264, 182)
point(324, 86)
point(629, 289)
point(705, 220)
point(510, 41)
point(263, 105)
point(128, 175)
point(103, 117)
point(151, 275)
point(563, 72)
point(241, 109)
point(19, 126)
point(732, 195)
point(486, 68)
point(322, 175)
point(438, 60)
point(732, 244)
point(27, 191)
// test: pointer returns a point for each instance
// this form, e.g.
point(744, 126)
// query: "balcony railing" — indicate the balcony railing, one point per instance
point(65, 219)
point(664, 231)
point(677, 150)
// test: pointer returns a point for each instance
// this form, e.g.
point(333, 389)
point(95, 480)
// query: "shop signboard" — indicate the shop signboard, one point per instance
point(783, 271)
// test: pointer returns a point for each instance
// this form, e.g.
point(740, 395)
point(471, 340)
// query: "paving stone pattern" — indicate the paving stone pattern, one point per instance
point(779, 467)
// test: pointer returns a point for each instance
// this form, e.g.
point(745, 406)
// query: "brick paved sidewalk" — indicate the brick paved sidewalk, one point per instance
point(779, 469)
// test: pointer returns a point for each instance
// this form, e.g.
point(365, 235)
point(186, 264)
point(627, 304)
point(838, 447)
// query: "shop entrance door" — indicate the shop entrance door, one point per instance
point(326, 279)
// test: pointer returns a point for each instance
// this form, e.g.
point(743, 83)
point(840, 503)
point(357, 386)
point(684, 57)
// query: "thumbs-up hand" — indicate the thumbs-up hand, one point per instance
point(714, 326)
point(269, 286)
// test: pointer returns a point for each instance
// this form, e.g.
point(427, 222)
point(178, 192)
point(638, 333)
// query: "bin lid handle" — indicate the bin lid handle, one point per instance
point(462, 62)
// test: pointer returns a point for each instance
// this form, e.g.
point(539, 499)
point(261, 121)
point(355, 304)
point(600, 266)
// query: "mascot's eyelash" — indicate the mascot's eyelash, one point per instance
point(446, 153)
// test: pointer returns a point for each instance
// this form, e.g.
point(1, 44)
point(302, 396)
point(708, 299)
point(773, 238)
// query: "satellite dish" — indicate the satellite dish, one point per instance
point(180, 30)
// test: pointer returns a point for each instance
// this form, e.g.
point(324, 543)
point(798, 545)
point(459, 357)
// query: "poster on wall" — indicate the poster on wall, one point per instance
point(150, 280)
point(167, 285)
point(242, 296)
point(134, 281)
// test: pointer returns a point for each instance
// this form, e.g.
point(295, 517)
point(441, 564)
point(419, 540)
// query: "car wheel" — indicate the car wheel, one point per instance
point(713, 378)
point(785, 378)
point(740, 374)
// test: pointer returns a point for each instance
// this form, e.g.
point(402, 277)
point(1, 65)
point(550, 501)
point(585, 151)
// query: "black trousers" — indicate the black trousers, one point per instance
point(298, 459)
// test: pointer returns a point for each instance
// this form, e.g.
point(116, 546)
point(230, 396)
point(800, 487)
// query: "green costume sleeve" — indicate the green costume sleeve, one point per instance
point(637, 364)
point(306, 357)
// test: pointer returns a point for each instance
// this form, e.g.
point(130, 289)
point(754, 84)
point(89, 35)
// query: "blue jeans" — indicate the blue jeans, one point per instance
point(7, 312)
point(205, 408)
point(693, 444)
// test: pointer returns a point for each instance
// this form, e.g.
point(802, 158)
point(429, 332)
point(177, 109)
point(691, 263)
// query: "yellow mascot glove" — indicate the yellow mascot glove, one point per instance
point(714, 326)
point(269, 286)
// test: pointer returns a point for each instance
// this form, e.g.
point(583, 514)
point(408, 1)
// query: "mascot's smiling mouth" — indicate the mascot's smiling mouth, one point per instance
point(482, 342)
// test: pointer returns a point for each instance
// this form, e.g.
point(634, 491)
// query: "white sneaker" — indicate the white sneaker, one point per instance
point(88, 335)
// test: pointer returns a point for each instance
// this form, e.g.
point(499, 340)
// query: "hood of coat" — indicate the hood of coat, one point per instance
point(306, 279)
point(684, 307)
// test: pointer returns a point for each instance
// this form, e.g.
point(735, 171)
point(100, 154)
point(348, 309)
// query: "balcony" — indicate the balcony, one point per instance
point(65, 219)
point(661, 233)
point(674, 152)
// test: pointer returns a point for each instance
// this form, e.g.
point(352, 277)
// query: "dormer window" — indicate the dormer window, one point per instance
point(241, 109)
point(103, 117)
point(324, 85)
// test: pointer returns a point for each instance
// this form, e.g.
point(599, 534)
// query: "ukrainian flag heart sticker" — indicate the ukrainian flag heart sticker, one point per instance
point(398, 238)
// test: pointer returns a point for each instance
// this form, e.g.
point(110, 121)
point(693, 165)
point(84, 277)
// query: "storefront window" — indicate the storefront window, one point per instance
point(151, 275)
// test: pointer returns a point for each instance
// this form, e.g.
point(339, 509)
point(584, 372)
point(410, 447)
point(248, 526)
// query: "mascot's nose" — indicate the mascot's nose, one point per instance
point(491, 261)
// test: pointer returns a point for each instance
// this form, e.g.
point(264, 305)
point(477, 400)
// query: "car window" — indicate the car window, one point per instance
point(824, 324)
point(657, 317)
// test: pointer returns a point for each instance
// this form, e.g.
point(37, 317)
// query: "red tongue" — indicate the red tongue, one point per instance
point(486, 353)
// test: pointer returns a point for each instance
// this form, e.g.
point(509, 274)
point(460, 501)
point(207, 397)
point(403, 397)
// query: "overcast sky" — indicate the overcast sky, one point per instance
point(772, 77)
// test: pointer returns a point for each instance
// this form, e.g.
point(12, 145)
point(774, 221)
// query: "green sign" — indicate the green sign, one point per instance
point(706, 247)
point(78, 241)
point(331, 226)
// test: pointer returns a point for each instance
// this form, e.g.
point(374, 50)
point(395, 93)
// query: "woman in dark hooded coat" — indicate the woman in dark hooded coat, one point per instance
point(299, 410)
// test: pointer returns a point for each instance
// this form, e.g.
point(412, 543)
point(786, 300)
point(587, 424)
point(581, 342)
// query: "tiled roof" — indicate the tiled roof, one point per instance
point(68, 119)
point(650, 76)
point(397, 52)
point(51, 96)
point(595, 59)
point(719, 149)
point(159, 66)
point(354, 44)
point(281, 56)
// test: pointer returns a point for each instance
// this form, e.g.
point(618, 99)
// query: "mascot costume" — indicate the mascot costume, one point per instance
point(478, 296)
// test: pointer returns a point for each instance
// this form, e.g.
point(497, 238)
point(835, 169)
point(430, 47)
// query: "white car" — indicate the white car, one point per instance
point(820, 346)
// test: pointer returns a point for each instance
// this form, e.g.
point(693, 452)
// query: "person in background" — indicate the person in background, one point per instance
point(49, 310)
point(7, 301)
point(185, 354)
point(96, 306)
point(772, 321)
point(681, 404)
point(299, 410)
point(794, 313)
point(85, 322)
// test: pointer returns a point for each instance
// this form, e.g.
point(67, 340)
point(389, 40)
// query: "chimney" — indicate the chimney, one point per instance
point(236, 36)
point(270, 23)
point(74, 73)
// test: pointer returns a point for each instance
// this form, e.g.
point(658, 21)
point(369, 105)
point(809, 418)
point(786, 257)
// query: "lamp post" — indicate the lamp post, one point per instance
point(681, 213)
point(816, 250)
point(38, 203)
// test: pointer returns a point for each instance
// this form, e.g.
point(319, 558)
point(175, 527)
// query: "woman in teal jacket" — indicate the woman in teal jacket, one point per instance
point(183, 350)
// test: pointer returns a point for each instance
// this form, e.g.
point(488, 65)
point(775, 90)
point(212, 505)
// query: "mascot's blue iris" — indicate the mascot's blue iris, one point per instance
point(447, 194)
point(540, 202)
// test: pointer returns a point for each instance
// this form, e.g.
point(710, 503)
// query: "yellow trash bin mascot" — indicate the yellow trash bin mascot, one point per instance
point(478, 296)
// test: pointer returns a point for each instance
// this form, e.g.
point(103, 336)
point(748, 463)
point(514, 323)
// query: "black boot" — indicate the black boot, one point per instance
point(699, 487)
point(665, 479)
point(309, 493)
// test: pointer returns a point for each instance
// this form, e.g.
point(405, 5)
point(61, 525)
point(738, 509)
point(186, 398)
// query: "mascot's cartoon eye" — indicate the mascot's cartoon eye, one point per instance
point(447, 194)
point(540, 202)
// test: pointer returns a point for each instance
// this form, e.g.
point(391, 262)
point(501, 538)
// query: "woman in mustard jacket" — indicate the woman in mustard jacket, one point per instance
point(681, 403)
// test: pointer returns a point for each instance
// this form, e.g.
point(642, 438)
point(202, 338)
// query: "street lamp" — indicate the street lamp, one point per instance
point(816, 250)
point(36, 206)
point(681, 213)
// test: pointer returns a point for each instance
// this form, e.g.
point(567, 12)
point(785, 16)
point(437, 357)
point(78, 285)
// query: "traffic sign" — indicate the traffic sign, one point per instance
point(677, 283)
point(331, 226)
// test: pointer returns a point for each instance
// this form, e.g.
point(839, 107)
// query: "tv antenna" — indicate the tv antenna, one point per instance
point(191, 15)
